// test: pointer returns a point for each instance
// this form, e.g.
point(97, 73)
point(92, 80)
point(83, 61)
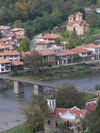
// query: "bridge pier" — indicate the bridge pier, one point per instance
point(18, 87)
point(37, 89)
point(3, 84)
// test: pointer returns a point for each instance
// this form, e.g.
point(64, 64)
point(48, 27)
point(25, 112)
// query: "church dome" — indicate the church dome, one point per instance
point(51, 97)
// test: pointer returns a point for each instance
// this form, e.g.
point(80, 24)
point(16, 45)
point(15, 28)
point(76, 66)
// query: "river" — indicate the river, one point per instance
point(10, 103)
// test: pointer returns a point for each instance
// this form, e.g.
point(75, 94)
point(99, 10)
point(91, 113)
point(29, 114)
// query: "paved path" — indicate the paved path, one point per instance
point(34, 40)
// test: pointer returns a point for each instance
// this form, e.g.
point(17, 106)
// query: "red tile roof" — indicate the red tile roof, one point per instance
point(72, 16)
point(73, 111)
point(2, 27)
point(3, 47)
point(17, 63)
point(17, 29)
point(90, 45)
point(49, 36)
point(46, 52)
point(90, 107)
point(4, 39)
point(80, 50)
point(97, 91)
point(13, 52)
point(79, 13)
point(10, 35)
point(93, 99)
point(2, 60)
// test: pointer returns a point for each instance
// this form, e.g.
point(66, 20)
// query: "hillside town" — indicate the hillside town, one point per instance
point(50, 66)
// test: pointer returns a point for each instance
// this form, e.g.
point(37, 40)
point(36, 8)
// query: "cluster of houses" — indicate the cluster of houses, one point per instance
point(9, 56)
point(56, 55)
point(69, 118)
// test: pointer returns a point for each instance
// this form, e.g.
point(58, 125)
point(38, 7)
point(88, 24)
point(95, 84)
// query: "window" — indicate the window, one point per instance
point(48, 122)
point(2, 69)
point(11, 56)
point(89, 53)
point(67, 123)
point(50, 103)
point(56, 123)
point(53, 103)
point(70, 124)
point(2, 64)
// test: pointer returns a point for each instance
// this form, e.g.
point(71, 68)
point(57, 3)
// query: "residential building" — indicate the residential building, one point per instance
point(84, 53)
point(90, 107)
point(10, 55)
point(49, 37)
point(69, 117)
point(17, 65)
point(94, 48)
point(5, 65)
point(42, 45)
point(92, 101)
point(4, 30)
point(97, 93)
point(76, 21)
point(48, 56)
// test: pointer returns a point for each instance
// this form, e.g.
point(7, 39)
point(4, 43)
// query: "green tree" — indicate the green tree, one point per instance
point(18, 23)
point(77, 58)
point(24, 45)
point(0, 35)
point(34, 114)
point(74, 34)
point(33, 61)
point(68, 96)
point(88, 40)
point(98, 107)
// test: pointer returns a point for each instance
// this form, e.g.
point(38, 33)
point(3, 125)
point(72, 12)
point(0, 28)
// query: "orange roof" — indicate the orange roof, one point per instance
point(2, 27)
point(73, 111)
point(2, 60)
point(90, 107)
point(46, 52)
point(17, 63)
point(49, 36)
point(14, 52)
point(20, 33)
point(79, 13)
point(97, 91)
point(10, 43)
point(94, 99)
point(72, 16)
point(3, 47)
point(17, 29)
point(90, 45)
point(10, 35)
point(60, 53)
point(4, 39)
point(69, 52)
point(80, 50)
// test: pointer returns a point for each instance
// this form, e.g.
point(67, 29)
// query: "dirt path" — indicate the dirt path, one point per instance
point(34, 40)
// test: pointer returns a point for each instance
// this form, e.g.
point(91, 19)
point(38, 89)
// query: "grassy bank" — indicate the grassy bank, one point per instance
point(63, 71)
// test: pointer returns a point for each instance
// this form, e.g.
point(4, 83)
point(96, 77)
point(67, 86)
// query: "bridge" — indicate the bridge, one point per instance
point(19, 85)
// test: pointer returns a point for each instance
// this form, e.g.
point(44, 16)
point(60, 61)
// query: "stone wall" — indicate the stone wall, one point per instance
point(58, 29)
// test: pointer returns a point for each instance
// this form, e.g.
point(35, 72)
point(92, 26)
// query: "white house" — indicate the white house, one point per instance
point(5, 65)
point(92, 101)
point(4, 30)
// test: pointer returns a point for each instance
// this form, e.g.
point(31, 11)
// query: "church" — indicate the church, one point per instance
point(81, 26)
point(59, 119)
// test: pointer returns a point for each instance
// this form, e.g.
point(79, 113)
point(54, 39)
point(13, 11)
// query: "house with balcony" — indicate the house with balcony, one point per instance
point(5, 65)
point(94, 48)
point(86, 54)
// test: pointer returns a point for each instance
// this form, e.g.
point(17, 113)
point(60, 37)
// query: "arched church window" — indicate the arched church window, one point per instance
point(56, 123)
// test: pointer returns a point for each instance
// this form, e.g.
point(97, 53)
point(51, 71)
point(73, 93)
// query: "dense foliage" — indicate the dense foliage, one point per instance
point(38, 15)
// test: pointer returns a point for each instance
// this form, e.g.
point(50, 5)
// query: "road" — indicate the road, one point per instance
point(34, 40)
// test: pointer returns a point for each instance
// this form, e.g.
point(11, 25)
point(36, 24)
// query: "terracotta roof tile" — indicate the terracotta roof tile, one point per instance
point(80, 50)
point(79, 13)
point(2, 60)
point(49, 36)
point(73, 111)
point(90, 107)
point(4, 39)
point(72, 16)
point(17, 63)
point(17, 29)
point(13, 52)
point(90, 45)
point(46, 52)
point(43, 42)
point(10, 35)
point(93, 99)
point(97, 91)
point(2, 27)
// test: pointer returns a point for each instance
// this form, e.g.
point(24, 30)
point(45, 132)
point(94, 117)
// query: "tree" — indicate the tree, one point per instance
point(98, 107)
point(77, 58)
point(24, 45)
point(68, 96)
point(34, 114)
point(18, 23)
point(74, 34)
point(0, 35)
point(33, 61)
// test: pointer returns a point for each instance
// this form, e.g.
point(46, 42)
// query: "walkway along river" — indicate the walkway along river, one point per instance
point(9, 103)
